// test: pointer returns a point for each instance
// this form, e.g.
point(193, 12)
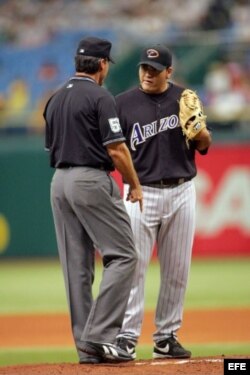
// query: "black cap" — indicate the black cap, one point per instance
point(95, 47)
point(158, 56)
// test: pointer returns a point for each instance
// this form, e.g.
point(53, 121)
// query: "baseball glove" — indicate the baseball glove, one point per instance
point(192, 118)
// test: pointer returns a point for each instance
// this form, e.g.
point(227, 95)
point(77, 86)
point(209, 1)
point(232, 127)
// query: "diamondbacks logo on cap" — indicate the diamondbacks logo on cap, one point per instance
point(152, 53)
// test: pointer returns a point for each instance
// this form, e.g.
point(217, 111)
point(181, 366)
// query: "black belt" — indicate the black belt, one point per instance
point(166, 182)
point(68, 166)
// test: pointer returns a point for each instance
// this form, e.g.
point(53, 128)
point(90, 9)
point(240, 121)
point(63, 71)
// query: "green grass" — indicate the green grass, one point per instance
point(37, 355)
point(68, 354)
point(37, 286)
point(31, 286)
point(213, 283)
point(219, 283)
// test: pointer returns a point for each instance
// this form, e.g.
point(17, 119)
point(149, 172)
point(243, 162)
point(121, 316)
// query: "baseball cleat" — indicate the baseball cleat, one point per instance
point(170, 348)
point(89, 359)
point(106, 351)
point(127, 345)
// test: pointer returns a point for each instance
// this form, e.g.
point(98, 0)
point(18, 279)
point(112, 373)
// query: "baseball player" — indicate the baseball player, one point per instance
point(85, 142)
point(163, 141)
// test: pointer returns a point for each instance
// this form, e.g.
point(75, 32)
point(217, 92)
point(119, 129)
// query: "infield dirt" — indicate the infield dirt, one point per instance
point(203, 326)
point(199, 326)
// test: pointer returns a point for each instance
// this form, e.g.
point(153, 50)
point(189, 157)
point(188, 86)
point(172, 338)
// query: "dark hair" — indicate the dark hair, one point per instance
point(87, 64)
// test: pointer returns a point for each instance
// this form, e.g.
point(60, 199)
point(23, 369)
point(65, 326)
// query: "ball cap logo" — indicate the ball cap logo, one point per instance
point(158, 56)
point(152, 53)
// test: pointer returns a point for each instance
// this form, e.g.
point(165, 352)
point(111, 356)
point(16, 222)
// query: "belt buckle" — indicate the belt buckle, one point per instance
point(181, 181)
point(164, 184)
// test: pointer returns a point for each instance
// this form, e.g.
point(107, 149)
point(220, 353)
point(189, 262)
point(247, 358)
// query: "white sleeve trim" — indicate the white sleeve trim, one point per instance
point(114, 141)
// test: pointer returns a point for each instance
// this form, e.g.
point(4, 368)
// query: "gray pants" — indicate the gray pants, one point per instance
point(89, 213)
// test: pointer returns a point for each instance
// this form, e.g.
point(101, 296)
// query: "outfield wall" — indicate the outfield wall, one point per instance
point(26, 226)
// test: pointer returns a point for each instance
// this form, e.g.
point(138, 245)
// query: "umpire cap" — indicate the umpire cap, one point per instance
point(158, 56)
point(95, 47)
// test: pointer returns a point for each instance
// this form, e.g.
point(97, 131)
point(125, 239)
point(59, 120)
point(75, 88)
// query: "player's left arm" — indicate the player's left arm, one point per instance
point(203, 140)
point(193, 121)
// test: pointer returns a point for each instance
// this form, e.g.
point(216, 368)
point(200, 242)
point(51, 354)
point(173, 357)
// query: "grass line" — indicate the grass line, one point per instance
point(38, 286)
point(27, 355)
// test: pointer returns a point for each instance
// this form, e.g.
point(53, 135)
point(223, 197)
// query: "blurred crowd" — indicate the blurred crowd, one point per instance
point(227, 93)
point(32, 22)
point(29, 25)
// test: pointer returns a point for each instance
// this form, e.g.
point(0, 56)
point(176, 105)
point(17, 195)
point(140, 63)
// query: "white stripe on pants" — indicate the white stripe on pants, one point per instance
point(168, 218)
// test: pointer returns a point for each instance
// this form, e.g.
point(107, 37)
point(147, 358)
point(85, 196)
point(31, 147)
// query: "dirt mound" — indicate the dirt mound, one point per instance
point(201, 366)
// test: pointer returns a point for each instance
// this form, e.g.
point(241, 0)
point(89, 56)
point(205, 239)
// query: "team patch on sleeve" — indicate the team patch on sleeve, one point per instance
point(114, 124)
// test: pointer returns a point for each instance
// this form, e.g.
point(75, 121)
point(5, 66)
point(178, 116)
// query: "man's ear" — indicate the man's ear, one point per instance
point(169, 71)
point(102, 63)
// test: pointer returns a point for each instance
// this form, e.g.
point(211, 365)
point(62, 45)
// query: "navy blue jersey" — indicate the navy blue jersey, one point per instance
point(81, 119)
point(150, 123)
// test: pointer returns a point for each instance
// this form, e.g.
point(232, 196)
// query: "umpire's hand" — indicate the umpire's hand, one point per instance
point(135, 195)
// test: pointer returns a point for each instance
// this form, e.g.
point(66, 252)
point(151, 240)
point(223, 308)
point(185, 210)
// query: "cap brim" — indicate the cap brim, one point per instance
point(111, 60)
point(154, 64)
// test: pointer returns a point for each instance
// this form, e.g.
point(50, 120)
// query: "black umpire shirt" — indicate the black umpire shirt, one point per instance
point(81, 119)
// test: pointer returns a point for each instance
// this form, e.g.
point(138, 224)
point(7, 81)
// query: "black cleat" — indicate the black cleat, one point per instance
point(106, 351)
point(127, 345)
point(170, 348)
point(90, 359)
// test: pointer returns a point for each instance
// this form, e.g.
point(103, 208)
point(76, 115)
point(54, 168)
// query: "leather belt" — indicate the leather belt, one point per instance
point(68, 166)
point(166, 182)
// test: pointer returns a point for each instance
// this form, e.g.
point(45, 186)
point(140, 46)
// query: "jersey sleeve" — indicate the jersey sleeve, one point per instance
point(121, 110)
point(109, 122)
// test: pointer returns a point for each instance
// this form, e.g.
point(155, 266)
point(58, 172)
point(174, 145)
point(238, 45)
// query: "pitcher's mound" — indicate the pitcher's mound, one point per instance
point(199, 365)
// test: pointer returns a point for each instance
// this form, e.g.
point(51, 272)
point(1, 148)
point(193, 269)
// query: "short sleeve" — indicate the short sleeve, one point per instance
point(109, 122)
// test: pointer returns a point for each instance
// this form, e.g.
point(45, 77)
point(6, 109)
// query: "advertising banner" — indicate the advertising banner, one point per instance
point(223, 201)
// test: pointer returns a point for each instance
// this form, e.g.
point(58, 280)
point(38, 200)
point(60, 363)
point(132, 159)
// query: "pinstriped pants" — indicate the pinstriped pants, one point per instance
point(168, 219)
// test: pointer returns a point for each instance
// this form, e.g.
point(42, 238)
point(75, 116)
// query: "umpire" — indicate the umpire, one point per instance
point(85, 143)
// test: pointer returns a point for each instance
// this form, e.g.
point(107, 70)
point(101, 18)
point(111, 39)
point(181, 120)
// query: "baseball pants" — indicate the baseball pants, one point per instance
point(89, 213)
point(168, 219)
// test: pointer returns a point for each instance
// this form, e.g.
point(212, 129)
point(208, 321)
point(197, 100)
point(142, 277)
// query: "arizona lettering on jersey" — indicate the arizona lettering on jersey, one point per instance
point(150, 123)
point(140, 133)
